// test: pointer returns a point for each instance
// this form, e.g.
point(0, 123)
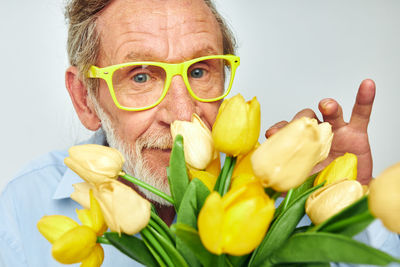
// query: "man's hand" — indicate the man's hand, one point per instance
point(348, 137)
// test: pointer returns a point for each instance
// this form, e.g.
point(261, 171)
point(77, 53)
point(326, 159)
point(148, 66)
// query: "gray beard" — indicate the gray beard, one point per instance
point(135, 164)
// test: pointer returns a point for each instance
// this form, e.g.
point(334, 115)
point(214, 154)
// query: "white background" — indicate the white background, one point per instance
point(293, 53)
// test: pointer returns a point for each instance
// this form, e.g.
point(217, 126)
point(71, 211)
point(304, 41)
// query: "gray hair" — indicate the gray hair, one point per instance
point(83, 44)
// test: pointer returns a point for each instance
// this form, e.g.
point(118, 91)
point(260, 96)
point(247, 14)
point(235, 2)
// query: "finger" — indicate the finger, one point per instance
point(332, 112)
point(306, 113)
point(275, 128)
point(363, 106)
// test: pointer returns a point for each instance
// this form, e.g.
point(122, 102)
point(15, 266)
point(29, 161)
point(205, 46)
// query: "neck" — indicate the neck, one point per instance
point(166, 213)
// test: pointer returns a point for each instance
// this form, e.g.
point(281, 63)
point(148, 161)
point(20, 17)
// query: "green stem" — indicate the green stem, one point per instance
point(103, 240)
point(152, 251)
point(148, 187)
point(160, 230)
point(162, 224)
point(224, 171)
point(228, 177)
point(156, 245)
point(287, 199)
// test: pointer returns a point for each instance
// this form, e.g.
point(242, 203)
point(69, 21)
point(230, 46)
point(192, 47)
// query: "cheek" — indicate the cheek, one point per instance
point(209, 112)
point(129, 125)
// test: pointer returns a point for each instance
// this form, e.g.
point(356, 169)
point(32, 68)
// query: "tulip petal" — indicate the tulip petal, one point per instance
point(95, 163)
point(198, 144)
point(81, 194)
point(97, 218)
point(245, 225)
point(207, 178)
point(75, 245)
point(95, 259)
point(384, 198)
point(331, 199)
point(131, 211)
point(286, 159)
point(343, 167)
point(237, 126)
point(210, 223)
point(215, 165)
point(54, 226)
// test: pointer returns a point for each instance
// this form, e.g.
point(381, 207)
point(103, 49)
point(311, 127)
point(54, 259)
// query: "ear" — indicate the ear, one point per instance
point(78, 93)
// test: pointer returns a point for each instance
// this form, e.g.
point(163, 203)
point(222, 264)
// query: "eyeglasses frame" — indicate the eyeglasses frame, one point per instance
point(171, 69)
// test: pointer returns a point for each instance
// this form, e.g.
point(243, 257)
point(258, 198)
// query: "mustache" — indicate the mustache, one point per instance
point(155, 140)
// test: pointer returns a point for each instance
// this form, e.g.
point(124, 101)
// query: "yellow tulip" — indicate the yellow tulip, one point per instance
point(95, 163)
point(207, 178)
point(73, 243)
point(243, 163)
point(331, 199)
point(343, 167)
point(384, 198)
point(285, 160)
point(237, 222)
point(215, 166)
point(237, 127)
point(95, 258)
point(243, 179)
point(198, 144)
point(124, 210)
point(54, 226)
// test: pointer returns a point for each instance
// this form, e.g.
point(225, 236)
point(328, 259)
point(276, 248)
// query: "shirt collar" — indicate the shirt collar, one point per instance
point(64, 188)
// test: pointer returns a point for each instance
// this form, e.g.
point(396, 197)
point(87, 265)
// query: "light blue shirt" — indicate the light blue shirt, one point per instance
point(44, 188)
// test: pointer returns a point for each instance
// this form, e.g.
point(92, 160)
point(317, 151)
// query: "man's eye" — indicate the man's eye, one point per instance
point(141, 78)
point(197, 73)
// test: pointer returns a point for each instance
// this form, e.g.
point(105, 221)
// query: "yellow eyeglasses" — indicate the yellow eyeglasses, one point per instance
point(137, 86)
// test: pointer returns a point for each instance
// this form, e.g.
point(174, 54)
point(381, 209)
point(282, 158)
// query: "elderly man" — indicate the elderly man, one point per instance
point(131, 105)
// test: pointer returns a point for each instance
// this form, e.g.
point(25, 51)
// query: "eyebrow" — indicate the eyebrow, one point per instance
point(148, 56)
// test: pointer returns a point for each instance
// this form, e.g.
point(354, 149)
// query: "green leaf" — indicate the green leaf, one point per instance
point(350, 221)
point(295, 193)
point(173, 253)
point(192, 240)
point(133, 247)
point(191, 204)
point(176, 172)
point(327, 247)
point(282, 228)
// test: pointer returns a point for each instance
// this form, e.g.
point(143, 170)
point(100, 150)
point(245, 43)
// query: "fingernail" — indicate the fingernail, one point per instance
point(326, 104)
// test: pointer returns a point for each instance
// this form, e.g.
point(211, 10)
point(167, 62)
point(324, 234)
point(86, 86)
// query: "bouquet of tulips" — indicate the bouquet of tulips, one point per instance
point(228, 216)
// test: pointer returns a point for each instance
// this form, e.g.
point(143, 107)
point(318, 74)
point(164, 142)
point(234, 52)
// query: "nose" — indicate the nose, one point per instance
point(178, 104)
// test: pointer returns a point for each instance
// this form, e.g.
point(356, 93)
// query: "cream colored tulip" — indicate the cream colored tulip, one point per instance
point(81, 194)
point(124, 210)
point(384, 198)
point(285, 160)
point(331, 199)
point(95, 163)
point(198, 144)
